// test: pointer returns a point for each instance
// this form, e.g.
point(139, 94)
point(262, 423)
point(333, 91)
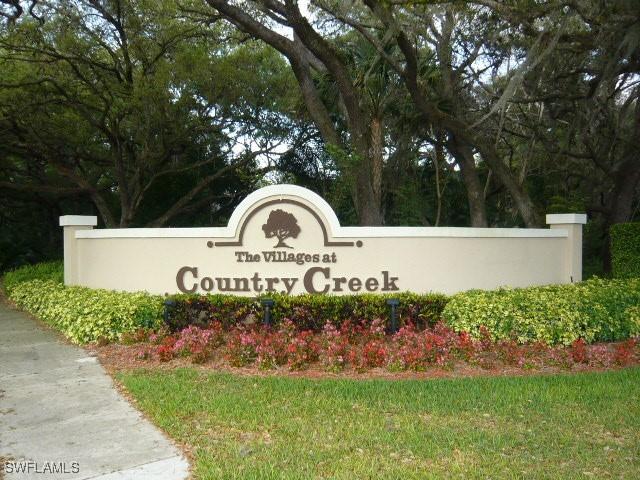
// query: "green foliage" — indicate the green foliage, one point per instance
point(313, 311)
point(625, 250)
point(559, 204)
point(306, 311)
point(51, 271)
point(87, 315)
point(182, 98)
point(595, 310)
point(201, 310)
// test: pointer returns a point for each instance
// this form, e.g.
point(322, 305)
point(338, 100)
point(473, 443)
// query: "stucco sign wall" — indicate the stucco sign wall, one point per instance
point(285, 238)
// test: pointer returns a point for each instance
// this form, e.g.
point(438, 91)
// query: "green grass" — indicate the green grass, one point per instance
point(564, 426)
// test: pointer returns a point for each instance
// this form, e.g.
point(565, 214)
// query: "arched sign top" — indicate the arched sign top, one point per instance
point(271, 202)
point(285, 193)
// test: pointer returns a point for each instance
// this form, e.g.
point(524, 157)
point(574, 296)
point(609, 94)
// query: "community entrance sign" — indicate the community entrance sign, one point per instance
point(288, 239)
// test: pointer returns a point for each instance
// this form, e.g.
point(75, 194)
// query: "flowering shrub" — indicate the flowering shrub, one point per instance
point(196, 342)
point(271, 350)
point(510, 352)
point(361, 346)
point(600, 356)
point(334, 348)
point(241, 346)
point(407, 354)
point(440, 346)
point(303, 350)
point(374, 354)
point(595, 310)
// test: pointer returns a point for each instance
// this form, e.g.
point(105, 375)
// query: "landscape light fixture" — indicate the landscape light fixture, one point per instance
point(393, 303)
point(267, 303)
point(168, 306)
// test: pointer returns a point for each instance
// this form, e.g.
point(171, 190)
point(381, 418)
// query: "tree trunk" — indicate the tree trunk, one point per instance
point(103, 209)
point(309, 48)
point(624, 190)
point(475, 194)
point(366, 203)
point(454, 125)
point(376, 152)
point(521, 198)
point(460, 130)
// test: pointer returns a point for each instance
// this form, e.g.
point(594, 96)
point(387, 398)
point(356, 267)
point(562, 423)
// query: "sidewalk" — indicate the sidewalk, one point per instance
point(57, 404)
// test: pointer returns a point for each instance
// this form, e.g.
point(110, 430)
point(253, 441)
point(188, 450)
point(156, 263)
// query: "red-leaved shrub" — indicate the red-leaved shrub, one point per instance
point(165, 349)
point(196, 342)
point(302, 350)
point(362, 345)
point(578, 351)
point(241, 346)
point(624, 353)
point(334, 348)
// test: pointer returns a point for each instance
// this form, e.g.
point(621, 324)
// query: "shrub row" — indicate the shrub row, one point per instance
point(361, 347)
point(53, 271)
point(87, 315)
point(594, 310)
point(308, 312)
point(625, 250)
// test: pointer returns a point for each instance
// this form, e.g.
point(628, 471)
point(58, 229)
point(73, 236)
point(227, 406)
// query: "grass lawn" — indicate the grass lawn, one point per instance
point(563, 426)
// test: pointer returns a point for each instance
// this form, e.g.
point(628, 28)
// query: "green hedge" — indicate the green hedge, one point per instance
point(307, 311)
point(87, 315)
point(595, 310)
point(53, 271)
point(625, 250)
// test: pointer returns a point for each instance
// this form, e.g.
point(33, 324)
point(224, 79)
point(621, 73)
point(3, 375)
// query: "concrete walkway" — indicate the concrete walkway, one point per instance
point(58, 406)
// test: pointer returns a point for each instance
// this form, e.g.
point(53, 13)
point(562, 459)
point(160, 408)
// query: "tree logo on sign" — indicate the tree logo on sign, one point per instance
point(281, 225)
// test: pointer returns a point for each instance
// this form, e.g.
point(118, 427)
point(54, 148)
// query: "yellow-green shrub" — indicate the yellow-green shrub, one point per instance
point(53, 271)
point(595, 310)
point(84, 314)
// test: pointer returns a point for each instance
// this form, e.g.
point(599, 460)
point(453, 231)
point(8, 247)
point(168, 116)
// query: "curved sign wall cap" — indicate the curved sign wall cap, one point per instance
point(286, 238)
point(283, 193)
point(280, 217)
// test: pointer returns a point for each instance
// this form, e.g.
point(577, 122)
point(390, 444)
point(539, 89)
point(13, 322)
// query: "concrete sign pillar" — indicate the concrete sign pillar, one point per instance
point(572, 223)
point(71, 224)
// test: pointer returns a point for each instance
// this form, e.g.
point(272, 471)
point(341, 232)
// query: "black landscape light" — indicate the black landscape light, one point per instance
point(393, 303)
point(168, 306)
point(267, 303)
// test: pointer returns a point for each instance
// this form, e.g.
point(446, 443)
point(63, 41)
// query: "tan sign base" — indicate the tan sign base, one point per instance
point(285, 238)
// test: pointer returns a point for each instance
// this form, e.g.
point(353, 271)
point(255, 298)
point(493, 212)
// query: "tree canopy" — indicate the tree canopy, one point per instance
point(471, 112)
